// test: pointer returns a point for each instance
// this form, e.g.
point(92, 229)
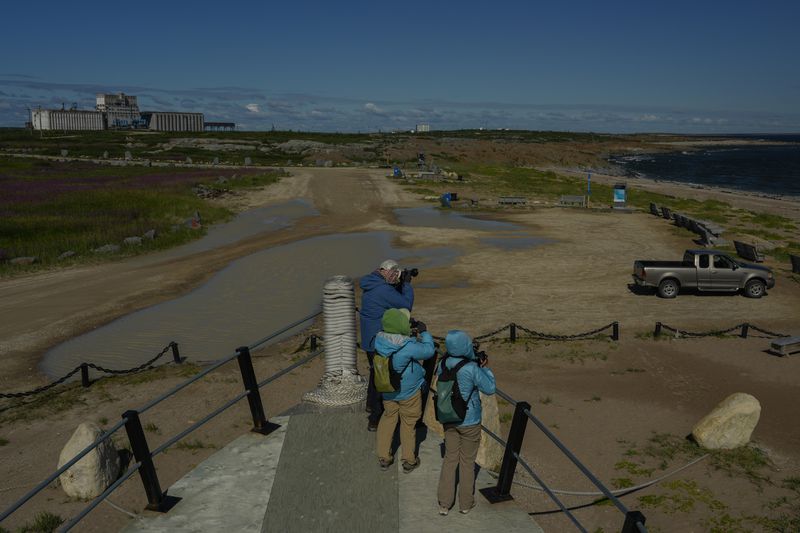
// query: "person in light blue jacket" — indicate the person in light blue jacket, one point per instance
point(406, 404)
point(461, 441)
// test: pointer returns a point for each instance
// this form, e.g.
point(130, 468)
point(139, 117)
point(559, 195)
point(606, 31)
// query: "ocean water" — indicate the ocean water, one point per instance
point(766, 169)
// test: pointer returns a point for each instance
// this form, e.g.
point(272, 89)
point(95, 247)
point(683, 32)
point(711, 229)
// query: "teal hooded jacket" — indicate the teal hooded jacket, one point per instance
point(472, 379)
point(407, 354)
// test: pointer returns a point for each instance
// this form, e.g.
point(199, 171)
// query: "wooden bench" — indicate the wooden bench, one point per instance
point(748, 251)
point(512, 200)
point(567, 199)
point(795, 263)
point(785, 345)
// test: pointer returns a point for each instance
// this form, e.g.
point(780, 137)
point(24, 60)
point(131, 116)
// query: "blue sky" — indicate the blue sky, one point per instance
point(694, 67)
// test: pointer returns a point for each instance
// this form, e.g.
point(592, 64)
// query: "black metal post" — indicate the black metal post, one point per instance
point(615, 332)
point(176, 355)
point(85, 375)
point(512, 332)
point(657, 331)
point(631, 518)
point(260, 423)
point(156, 500)
point(745, 329)
point(313, 343)
point(502, 491)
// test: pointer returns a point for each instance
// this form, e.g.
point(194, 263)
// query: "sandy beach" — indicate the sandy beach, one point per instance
point(602, 398)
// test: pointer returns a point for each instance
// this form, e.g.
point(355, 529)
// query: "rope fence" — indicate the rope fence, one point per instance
point(744, 329)
point(513, 334)
point(83, 368)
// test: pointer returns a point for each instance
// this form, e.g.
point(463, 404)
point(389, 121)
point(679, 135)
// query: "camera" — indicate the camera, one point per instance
point(407, 274)
point(479, 354)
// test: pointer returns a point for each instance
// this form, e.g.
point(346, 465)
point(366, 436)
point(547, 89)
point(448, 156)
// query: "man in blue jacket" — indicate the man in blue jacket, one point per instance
point(407, 352)
point(461, 441)
point(382, 290)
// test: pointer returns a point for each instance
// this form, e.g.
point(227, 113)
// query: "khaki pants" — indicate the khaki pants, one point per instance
point(409, 411)
point(461, 449)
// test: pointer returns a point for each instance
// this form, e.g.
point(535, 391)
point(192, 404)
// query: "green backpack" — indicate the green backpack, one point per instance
point(451, 407)
point(387, 379)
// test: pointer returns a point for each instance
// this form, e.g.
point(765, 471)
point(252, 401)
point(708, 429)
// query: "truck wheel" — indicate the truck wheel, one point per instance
point(754, 288)
point(668, 288)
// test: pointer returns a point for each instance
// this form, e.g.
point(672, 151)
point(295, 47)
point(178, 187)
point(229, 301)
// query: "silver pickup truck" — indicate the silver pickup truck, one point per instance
point(704, 270)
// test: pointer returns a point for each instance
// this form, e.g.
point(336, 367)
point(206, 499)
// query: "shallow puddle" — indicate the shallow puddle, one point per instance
point(242, 303)
point(446, 218)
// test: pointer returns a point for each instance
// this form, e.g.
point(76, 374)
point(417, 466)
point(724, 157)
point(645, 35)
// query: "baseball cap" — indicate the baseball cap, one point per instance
point(390, 264)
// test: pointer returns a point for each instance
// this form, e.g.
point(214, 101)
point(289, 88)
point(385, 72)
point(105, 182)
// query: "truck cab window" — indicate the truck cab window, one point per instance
point(722, 262)
point(703, 261)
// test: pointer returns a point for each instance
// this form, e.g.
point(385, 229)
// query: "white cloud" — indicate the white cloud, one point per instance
point(253, 108)
point(647, 118)
point(372, 108)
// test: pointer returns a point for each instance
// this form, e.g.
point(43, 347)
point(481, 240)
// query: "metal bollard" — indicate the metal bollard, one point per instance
point(657, 331)
point(502, 491)
point(85, 375)
point(176, 355)
point(631, 519)
point(260, 423)
point(745, 329)
point(156, 500)
point(615, 332)
point(313, 343)
point(512, 332)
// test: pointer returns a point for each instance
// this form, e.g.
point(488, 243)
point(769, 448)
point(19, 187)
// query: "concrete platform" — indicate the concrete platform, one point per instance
point(319, 472)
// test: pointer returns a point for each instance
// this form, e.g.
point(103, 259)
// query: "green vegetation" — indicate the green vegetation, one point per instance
point(43, 522)
point(49, 207)
point(546, 400)
point(103, 420)
point(193, 445)
point(3, 442)
point(506, 418)
point(152, 428)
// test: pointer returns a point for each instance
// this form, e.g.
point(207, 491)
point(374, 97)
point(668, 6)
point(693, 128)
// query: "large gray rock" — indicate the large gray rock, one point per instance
point(150, 234)
point(490, 452)
point(133, 241)
point(730, 424)
point(66, 255)
point(90, 476)
point(24, 260)
point(107, 249)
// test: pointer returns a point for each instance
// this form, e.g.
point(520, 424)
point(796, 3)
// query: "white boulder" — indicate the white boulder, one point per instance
point(90, 476)
point(730, 424)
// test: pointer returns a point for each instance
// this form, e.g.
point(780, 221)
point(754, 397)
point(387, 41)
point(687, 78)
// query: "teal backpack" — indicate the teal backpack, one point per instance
point(451, 407)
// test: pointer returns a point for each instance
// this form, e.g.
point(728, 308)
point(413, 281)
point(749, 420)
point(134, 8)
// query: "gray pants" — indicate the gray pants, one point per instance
point(461, 449)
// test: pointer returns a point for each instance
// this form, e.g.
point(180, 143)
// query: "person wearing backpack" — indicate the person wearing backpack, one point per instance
point(460, 371)
point(400, 377)
point(382, 289)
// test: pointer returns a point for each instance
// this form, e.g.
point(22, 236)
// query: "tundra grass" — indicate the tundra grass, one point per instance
point(48, 208)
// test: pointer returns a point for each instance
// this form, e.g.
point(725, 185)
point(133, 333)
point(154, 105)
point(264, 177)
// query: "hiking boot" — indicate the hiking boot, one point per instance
point(372, 426)
point(443, 510)
point(384, 464)
point(408, 467)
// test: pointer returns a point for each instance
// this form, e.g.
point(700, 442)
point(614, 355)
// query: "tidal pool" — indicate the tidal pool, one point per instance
point(247, 300)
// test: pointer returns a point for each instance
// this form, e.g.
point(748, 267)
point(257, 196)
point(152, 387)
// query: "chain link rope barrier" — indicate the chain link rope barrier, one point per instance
point(143, 366)
point(743, 327)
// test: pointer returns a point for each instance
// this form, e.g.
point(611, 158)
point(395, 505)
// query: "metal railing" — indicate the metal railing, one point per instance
point(144, 465)
point(634, 520)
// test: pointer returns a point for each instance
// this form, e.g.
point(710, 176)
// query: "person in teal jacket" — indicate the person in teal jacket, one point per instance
point(406, 404)
point(461, 441)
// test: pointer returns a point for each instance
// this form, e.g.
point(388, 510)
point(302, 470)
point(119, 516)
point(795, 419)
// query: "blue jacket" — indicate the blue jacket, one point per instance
point(379, 296)
point(407, 354)
point(471, 378)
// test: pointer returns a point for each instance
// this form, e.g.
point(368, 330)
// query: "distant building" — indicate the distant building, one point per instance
point(66, 119)
point(169, 121)
point(115, 111)
point(120, 110)
point(422, 128)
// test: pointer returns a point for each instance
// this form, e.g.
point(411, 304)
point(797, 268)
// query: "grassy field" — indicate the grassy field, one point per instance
point(50, 207)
